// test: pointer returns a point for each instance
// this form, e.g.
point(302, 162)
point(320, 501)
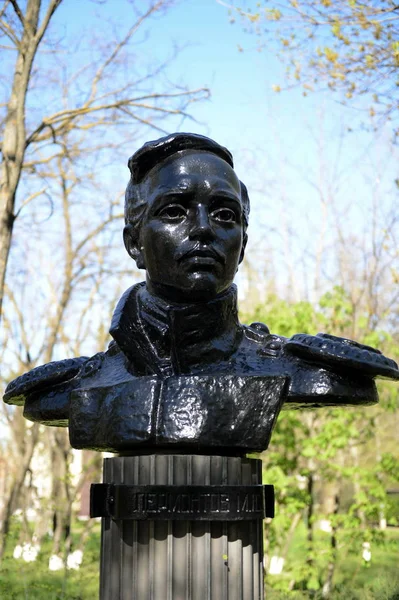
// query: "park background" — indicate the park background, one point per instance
point(305, 95)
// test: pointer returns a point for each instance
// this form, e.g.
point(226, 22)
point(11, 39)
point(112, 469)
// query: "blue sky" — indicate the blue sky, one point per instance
point(285, 146)
point(241, 103)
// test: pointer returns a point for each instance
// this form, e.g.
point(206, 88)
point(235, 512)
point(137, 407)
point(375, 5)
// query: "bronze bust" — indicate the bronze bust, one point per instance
point(182, 374)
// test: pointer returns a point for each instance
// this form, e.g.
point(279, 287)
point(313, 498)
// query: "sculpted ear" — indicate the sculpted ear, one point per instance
point(244, 243)
point(132, 244)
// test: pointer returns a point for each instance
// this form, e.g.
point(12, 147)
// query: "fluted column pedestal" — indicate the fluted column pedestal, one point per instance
point(182, 557)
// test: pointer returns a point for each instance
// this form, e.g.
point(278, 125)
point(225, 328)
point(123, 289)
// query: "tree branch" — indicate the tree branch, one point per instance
point(52, 7)
point(28, 200)
point(119, 46)
point(3, 10)
point(92, 234)
point(6, 29)
point(18, 11)
point(65, 117)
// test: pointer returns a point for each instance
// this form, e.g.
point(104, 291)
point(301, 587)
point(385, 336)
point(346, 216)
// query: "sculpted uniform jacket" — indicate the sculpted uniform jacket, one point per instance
point(192, 378)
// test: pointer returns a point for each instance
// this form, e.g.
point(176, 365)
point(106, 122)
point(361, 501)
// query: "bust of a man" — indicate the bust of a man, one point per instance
point(182, 373)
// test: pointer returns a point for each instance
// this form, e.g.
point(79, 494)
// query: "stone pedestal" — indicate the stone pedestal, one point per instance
point(165, 559)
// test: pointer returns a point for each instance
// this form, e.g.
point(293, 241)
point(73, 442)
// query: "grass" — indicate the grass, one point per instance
point(352, 581)
point(20, 580)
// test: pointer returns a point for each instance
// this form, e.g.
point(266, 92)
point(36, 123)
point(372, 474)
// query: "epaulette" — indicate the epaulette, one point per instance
point(330, 350)
point(270, 344)
point(42, 377)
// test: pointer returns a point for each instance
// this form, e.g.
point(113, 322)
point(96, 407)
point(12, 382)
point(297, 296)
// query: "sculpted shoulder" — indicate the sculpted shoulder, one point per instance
point(43, 377)
point(319, 370)
point(326, 370)
point(45, 391)
point(342, 353)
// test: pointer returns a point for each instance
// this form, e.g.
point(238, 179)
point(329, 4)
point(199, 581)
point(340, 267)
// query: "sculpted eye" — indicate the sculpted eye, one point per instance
point(224, 215)
point(173, 212)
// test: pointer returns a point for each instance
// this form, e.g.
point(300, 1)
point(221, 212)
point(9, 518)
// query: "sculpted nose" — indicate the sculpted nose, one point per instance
point(201, 226)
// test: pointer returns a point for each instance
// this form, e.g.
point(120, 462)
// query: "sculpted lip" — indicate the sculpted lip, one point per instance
point(203, 254)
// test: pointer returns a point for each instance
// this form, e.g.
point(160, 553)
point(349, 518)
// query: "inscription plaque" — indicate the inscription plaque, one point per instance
point(187, 502)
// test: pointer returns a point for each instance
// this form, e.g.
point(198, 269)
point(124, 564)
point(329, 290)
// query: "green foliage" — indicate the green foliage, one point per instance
point(333, 449)
point(285, 318)
point(354, 580)
point(315, 458)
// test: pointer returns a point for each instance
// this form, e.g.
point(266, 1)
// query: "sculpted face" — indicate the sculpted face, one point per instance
point(191, 237)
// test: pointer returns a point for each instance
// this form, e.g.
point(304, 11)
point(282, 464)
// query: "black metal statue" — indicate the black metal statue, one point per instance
point(182, 374)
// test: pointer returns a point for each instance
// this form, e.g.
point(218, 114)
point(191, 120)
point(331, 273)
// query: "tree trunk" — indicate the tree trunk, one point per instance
point(24, 458)
point(14, 140)
point(354, 452)
point(309, 517)
point(382, 509)
point(61, 493)
point(328, 584)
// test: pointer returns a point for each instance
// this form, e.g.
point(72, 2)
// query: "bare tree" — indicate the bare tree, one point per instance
point(72, 263)
point(92, 98)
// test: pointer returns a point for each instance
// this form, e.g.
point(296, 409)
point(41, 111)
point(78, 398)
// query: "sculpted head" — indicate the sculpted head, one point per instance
point(186, 215)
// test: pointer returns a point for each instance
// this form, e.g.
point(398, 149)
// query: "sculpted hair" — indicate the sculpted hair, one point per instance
point(153, 153)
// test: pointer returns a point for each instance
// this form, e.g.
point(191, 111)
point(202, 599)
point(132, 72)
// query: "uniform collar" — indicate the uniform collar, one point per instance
point(170, 339)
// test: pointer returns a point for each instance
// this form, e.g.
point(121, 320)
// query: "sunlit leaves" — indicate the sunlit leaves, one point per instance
point(328, 447)
point(274, 14)
point(360, 56)
point(331, 55)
